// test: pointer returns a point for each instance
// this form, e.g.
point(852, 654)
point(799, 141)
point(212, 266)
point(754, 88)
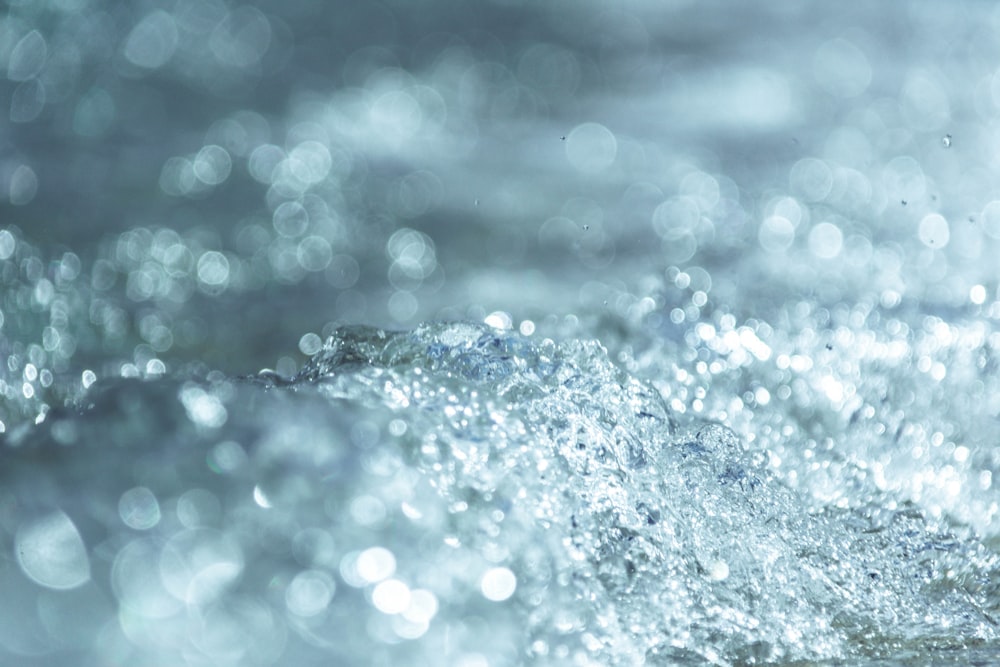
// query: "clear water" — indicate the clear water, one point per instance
point(656, 334)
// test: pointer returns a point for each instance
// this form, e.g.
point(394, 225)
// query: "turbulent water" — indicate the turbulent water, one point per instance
point(498, 334)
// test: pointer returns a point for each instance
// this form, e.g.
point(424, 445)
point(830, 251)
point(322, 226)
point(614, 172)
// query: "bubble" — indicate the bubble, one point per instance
point(826, 240)
point(391, 596)
point(946, 141)
point(23, 186)
point(498, 584)
point(934, 231)
point(776, 234)
point(309, 593)
point(51, 552)
point(152, 42)
point(842, 68)
point(213, 269)
point(591, 148)
point(139, 509)
point(28, 57)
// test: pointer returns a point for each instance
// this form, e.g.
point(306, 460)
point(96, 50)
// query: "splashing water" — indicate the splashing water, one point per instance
point(455, 494)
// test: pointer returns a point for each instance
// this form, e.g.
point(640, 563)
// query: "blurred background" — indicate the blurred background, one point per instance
point(212, 180)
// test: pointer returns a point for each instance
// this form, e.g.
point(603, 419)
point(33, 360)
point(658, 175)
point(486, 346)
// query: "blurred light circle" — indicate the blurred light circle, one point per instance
point(591, 148)
point(27, 101)
point(811, 178)
point(137, 583)
point(403, 306)
point(241, 38)
point(842, 68)
point(924, 102)
point(679, 249)
point(417, 193)
point(153, 40)
point(27, 58)
point(198, 565)
point(213, 268)
point(549, 68)
point(51, 552)
point(314, 253)
point(343, 271)
point(391, 596)
point(310, 161)
point(310, 344)
point(676, 217)
point(139, 509)
point(212, 165)
point(95, 113)
point(309, 593)
point(7, 244)
point(396, 116)
point(776, 234)
point(374, 564)
point(702, 188)
point(291, 219)
point(934, 231)
point(498, 584)
point(826, 240)
point(263, 161)
point(990, 219)
point(904, 179)
point(23, 186)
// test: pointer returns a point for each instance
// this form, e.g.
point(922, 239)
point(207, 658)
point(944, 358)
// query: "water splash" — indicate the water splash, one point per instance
point(461, 493)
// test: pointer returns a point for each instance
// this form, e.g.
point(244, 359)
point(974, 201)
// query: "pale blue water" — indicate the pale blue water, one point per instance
point(661, 333)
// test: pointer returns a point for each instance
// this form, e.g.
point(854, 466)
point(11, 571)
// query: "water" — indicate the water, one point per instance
point(663, 333)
